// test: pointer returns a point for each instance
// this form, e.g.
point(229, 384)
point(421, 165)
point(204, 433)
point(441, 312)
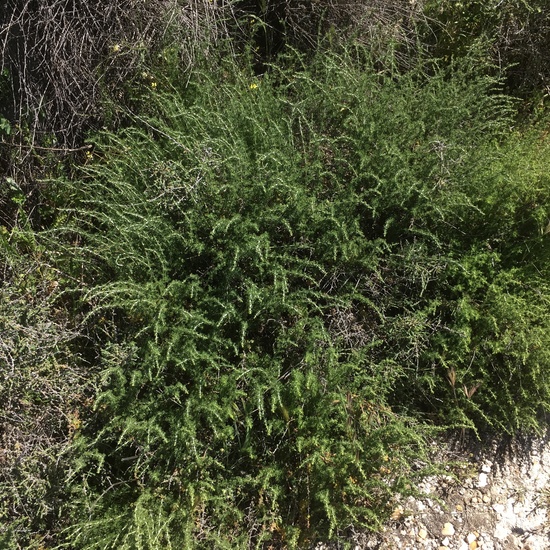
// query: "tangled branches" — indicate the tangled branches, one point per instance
point(60, 57)
point(369, 22)
point(382, 25)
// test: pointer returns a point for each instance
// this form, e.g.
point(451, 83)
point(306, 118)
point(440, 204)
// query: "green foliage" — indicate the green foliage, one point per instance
point(514, 34)
point(235, 321)
point(5, 126)
point(288, 277)
point(45, 387)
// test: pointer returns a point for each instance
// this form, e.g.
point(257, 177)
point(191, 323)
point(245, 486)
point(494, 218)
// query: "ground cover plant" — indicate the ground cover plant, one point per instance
point(291, 279)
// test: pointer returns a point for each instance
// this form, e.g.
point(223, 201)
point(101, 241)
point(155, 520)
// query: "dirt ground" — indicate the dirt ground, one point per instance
point(497, 498)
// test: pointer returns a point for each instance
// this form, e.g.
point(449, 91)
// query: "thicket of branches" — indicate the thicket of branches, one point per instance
point(61, 58)
point(514, 34)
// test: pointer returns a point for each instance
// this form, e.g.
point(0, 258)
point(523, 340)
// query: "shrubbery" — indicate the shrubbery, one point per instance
point(293, 278)
point(46, 388)
point(513, 34)
point(235, 316)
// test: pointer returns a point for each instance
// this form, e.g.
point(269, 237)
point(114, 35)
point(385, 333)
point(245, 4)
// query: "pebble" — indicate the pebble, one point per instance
point(422, 534)
point(482, 481)
point(448, 530)
point(397, 513)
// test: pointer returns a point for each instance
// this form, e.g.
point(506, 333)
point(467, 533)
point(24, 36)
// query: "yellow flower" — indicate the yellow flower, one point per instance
point(89, 155)
point(116, 48)
point(153, 85)
point(253, 86)
point(74, 421)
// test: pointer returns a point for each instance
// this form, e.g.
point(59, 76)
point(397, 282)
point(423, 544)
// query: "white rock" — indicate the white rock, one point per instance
point(397, 513)
point(535, 543)
point(448, 530)
point(482, 481)
point(502, 530)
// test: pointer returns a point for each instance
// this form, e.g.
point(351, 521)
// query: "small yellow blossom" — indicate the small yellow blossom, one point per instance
point(74, 421)
point(116, 48)
point(253, 86)
point(153, 85)
point(89, 155)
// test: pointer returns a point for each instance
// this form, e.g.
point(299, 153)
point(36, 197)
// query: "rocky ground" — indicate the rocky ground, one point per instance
point(497, 499)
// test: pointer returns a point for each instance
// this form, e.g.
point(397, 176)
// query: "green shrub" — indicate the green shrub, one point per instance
point(513, 34)
point(292, 278)
point(45, 388)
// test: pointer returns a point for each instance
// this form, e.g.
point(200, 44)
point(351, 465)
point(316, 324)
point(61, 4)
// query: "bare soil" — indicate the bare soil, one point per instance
point(495, 497)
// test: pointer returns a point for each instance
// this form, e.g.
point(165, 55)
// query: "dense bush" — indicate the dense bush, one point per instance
point(46, 387)
point(387, 27)
point(292, 278)
point(514, 34)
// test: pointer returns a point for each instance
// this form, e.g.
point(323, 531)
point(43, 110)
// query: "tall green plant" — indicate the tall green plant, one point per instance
point(289, 276)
